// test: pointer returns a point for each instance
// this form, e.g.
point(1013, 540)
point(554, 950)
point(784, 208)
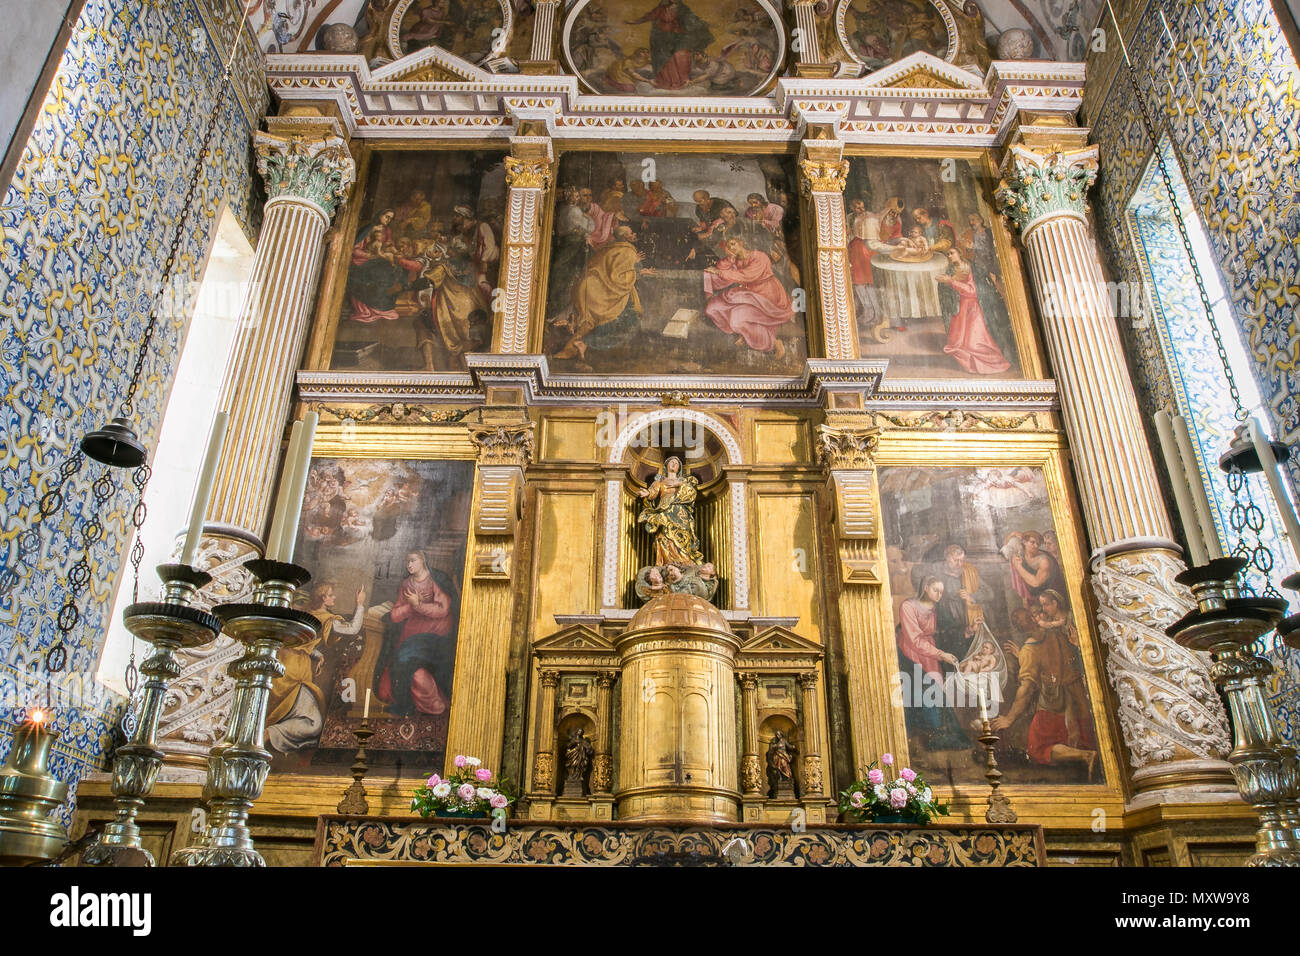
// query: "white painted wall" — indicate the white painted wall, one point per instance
point(30, 28)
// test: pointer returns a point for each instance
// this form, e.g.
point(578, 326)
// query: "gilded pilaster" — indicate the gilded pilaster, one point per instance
point(483, 650)
point(602, 766)
point(847, 451)
point(823, 174)
point(751, 766)
point(528, 174)
point(1171, 719)
point(544, 737)
point(812, 737)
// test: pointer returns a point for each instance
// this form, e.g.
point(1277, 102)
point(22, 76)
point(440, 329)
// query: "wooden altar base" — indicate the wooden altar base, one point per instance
point(402, 841)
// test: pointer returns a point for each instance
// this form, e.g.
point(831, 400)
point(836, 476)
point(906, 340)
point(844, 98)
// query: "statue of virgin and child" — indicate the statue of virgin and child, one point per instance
point(668, 514)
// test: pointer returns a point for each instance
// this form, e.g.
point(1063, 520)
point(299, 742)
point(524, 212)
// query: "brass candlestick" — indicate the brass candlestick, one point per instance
point(354, 797)
point(1227, 624)
point(999, 810)
point(1289, 630)
point(168, 624)
point(28, 792)
point(238, 764)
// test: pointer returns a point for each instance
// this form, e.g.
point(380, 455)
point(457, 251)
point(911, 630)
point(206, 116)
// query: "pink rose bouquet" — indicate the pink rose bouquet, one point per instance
point(876, 798)
point(471, 791)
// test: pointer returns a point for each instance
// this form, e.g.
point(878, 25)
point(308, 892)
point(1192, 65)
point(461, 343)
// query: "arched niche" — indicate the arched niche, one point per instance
point(477, 31)
point(640, 446)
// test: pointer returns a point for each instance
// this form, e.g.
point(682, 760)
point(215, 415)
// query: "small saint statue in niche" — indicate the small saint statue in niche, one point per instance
point(577, 761)
point(669, 515)
point(780, 767)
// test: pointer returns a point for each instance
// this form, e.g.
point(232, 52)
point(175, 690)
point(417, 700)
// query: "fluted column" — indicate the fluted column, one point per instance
point(751, 766)
point(542, 55)
point(478, 698)
point(812, 736)
point(823, 174)
point(847, 451)
point(544, 754)
point(1172, 721)
point(806, 43)
point(528, 174)
point(308, 170)
point(602, 767)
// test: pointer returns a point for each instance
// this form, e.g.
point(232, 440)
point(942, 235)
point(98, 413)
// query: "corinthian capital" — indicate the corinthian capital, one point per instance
point(821, 176)
point(851, 448)
point(504, 444)
point(1042, 184)
point(528, 173)
point(317, 168)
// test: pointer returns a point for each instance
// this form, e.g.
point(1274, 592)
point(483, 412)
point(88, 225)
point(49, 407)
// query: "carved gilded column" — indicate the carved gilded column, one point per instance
point(308, 171)
point(812, 736)
point(478, 696)
point(544, 755)
point(602, 765)
point(541, 58)
point(528, 173)
point(1172, 721)
point(847, 451)
point(823, 174)
point(751, 766)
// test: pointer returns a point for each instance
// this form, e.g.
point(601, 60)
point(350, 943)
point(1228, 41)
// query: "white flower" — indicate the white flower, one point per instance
point(473, 761)
point(879, 791)
point(442, 790)
point(486, 793)
point(927, 794)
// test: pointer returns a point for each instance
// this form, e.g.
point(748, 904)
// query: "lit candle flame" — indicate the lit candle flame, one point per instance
point(39, 716)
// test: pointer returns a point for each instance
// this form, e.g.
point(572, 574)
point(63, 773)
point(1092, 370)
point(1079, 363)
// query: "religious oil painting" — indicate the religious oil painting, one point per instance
point(880, 32)
point(676, 264)
point(423, 262)
point(384, 541)
point(467, 28)
point(676, 48)
point(928, 289)
point(982, 610)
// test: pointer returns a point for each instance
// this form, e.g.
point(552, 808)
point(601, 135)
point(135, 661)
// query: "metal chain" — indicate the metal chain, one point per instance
point(1245, 516)
point(127, 407)
point(1149, 125)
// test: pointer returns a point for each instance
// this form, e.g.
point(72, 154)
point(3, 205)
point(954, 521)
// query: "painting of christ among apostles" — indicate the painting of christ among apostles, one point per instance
point(981, 606)
point(928, 288)
point(675, 264)
point(423, 263)
point(675, 48)
point(385, 543)
point(467, 28)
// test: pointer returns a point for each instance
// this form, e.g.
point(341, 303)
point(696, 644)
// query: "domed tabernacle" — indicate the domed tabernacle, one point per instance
point(679, 610)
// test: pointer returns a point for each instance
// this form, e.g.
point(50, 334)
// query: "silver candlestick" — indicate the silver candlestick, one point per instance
point(169, 624)
point(238, 764)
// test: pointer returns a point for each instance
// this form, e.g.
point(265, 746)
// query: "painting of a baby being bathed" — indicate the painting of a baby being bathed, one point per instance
point(385, 543)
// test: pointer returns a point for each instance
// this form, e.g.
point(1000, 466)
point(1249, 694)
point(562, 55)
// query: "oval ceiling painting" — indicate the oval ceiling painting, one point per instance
point(880, 32)
point(467, 28)
point(674, 47)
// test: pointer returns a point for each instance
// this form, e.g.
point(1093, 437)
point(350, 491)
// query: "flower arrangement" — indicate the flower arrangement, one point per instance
point(905, 799)
point(471, 791)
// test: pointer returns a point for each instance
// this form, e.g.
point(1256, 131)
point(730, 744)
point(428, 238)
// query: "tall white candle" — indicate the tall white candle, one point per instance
point(203, 492)
point(1196, 553)
point(1195, 484)
point(1280, 497)
point(984, 703)
point(272, 544)
point(296, 491)
point(365, 715)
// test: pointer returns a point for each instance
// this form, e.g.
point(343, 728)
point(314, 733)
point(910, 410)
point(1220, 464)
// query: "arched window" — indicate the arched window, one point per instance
point(183, 437)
